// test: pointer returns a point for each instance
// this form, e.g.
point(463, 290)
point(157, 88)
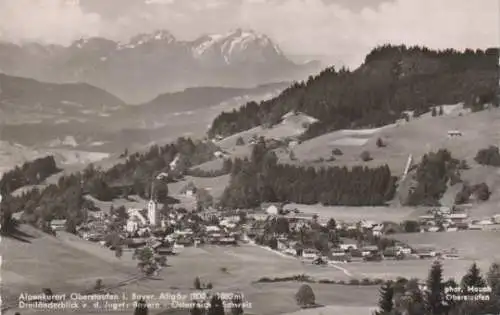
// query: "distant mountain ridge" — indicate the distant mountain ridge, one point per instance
point(155, 63)
point(35, 113)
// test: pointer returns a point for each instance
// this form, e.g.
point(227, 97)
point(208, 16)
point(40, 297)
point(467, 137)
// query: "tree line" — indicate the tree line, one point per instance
point(30, 173)
point(434, 172)
point(392, 80)
point(440, 297)
point(262, 179)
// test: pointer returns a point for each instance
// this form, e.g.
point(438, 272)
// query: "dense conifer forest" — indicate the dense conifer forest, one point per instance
point(393, 79)
point(262, 179)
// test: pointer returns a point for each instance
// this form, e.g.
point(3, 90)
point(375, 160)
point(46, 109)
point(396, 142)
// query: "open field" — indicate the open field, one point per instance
point(44, 261)
point(231, 269)
point(333, 309)
point(215, 185)
point(244, 265)
point(355, 214)
point(416, 137)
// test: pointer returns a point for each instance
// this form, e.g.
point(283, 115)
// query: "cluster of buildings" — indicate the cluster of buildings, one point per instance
point(451, 219)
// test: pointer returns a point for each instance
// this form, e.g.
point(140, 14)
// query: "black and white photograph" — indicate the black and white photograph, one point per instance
point(250, 157)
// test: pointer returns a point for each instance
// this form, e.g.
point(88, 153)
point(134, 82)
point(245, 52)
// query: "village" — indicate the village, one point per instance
point(307, 236)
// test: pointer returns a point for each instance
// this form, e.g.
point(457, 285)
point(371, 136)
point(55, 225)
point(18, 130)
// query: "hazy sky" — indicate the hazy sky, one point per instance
point(337, 29)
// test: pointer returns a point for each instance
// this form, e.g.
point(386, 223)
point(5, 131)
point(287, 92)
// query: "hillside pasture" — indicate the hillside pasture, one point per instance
point(44, 261)
point(416, 137)
point(355, 214)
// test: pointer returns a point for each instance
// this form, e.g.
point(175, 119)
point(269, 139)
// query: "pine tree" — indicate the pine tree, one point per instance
point(197, 283)
point(196, 310)
point(435, 290)
point(216, 306)
point(141, 308)
point(493, 278)
point(441, 111)
point(386, 301)
point(473, 278)
point(237, 307)
point(434, 112)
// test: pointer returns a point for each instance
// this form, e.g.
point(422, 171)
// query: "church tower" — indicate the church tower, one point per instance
point(152, 208)
point(152, 212)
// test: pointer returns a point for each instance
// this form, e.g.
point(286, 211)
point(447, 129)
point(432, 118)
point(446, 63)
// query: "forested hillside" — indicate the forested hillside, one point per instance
point(393, 79)
point(64, 200)
point(261, 178)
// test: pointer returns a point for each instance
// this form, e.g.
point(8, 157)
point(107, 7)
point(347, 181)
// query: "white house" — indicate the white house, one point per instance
point(212, 229)
point(454, 133)
point(58, 225)
point(348, 246)
point(309, 253)
point(377, 230)
point(496, 219)
point(272, 210)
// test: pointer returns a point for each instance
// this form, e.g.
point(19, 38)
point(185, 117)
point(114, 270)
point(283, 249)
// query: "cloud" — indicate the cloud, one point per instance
point(312, 27)
point(52, 21)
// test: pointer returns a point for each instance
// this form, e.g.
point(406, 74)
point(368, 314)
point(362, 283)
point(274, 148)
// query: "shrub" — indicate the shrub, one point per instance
point(98, 285)
point(482, 192)
point(378, 281)
point(305, 296)
point(337, 151)
point(197, 283)
point(380, 143)
point(210, 285)
point(240, 141)
point(489, 156)
point(365, 156)
point(354, 282)
point(434, 112)
point(366, 281)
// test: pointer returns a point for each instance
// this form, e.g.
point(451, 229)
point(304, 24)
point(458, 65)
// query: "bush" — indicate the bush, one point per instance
point(489, 156)
point(98, 285)
point(378, 281)
point(337, 151)
point(380, 143)
point(197, 283)
point(210, 285)
point(411, 226)
point(482, 192)
point(240, 141)
point(305, 296)
point(354, 282)
point(365, 156)
point(366, 281)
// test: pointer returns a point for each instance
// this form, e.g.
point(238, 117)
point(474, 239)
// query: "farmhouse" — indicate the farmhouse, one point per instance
point(272, 208)
point(58, 225)
point(459, 217)
point(189, 190)
point(369, 250)
point(310, 253)
point(454, 133)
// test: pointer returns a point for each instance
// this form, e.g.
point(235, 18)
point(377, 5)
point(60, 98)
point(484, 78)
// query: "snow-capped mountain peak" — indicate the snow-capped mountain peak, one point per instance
point(145, 38)
point(236, 45)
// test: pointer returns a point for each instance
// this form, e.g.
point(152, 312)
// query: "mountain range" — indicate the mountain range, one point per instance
point(79, 115)
point(150, 64)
